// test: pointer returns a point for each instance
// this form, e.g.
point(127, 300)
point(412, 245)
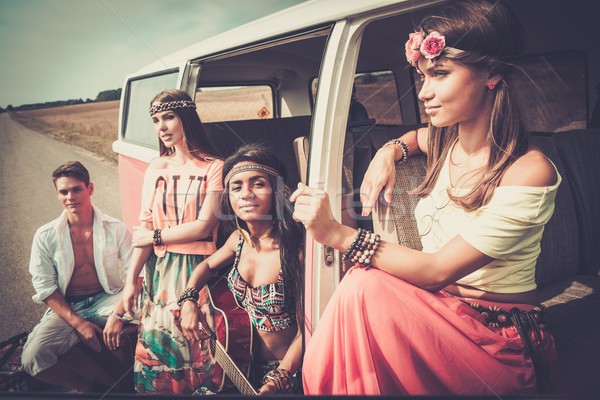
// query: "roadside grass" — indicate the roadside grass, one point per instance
point(90, 126)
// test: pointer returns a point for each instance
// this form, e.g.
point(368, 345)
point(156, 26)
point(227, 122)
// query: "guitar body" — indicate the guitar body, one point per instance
point(232, 328)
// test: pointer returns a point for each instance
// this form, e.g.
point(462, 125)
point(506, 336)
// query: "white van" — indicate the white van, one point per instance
point(325, 83)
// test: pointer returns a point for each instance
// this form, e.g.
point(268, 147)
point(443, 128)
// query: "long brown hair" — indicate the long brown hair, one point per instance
point(198, 142)
point(489, 36)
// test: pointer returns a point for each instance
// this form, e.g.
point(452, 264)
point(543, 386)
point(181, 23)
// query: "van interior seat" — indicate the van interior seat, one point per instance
point(401, 210)
point(568, 268)
point(301, 148)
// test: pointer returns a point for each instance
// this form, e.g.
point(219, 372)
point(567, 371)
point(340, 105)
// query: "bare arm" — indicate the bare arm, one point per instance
point(381, 173)
point(186, 232)
point(114, 326)
point(191, 316)
point(130, 293)
point(291, 362)
point(430, 271)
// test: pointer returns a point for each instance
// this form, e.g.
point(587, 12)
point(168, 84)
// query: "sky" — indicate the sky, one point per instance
point(69, 49)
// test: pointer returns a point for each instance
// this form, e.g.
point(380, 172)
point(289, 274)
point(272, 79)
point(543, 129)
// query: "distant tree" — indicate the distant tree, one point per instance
point(368, 79)
point(1, 110)
point(72, 101)
point(106, 95)
point(109, 95)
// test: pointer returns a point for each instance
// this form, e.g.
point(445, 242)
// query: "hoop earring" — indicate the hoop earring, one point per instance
point(491, 86)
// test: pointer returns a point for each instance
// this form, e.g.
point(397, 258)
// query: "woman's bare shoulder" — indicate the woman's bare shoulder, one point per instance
point(232, 241)
point(422, 139)
point(159, 163)
point(531, 169)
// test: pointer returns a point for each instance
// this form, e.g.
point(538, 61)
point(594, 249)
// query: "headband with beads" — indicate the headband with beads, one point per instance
point(251, 167)
point(171, 105)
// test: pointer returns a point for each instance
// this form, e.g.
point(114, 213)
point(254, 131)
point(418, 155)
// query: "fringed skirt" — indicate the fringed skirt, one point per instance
point(165, 362)
point(380, 335)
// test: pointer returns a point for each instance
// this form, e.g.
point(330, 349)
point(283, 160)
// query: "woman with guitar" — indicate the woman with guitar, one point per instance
point(182, 190)
point(267, 273)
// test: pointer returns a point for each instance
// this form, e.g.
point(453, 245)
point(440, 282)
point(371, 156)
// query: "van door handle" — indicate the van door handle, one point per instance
point(328, 255)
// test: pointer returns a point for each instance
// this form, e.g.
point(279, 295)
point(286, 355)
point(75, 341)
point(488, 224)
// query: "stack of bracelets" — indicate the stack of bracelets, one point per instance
point(189, 294)
point(363, 248)
point(281, 378)
point(403, 146)
point(157, 240)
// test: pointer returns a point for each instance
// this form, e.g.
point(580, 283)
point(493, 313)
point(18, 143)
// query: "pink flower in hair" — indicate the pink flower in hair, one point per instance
point(433, 45)
point(412, 47)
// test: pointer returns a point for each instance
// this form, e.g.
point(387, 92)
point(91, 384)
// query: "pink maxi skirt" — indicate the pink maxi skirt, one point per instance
point(380, 335)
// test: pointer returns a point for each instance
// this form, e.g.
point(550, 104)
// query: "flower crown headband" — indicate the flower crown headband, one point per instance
point(429, 46)
point(171, 105)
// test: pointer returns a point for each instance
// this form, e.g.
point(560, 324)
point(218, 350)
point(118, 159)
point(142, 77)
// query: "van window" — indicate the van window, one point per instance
point(234, 103)
point(377, 92)
point(138, 125)
point(550, 90)
point(262, 81)
point(257, 94)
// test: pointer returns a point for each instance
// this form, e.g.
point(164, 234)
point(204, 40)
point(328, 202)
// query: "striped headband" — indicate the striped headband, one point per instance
point(250, 167)
point(171, 105)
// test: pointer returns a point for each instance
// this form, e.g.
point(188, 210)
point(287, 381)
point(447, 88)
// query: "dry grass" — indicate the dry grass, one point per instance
point(90, 126)
point(94, 126)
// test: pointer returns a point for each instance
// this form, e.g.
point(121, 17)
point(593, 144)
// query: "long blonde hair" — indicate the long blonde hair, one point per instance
point(488, 35)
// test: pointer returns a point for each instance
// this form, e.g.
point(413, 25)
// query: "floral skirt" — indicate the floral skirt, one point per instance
point(165, 362)
point(380, 335)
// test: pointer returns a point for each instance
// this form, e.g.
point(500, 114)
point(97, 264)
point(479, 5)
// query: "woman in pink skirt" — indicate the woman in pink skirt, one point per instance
point(461, 316)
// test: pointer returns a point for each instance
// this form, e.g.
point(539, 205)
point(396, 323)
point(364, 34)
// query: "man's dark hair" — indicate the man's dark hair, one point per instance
point(72, 169)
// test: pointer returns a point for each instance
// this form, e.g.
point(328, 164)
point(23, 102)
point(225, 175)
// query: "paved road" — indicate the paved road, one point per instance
point(27, 201)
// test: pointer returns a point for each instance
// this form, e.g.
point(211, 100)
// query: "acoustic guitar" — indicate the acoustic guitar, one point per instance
point(231, 339)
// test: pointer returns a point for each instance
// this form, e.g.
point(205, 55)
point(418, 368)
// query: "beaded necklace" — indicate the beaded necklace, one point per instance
point(253, 240)
point(85, 239)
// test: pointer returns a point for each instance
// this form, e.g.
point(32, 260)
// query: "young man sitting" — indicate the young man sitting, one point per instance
point(75, 267)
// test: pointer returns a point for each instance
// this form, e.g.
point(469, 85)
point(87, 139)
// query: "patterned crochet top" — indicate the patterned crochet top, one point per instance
point(265, 303)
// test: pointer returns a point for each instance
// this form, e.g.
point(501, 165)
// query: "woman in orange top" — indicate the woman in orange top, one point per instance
point(182, 190)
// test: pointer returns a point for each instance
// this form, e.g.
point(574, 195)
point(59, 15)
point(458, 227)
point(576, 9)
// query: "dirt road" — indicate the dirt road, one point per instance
point(27, 201)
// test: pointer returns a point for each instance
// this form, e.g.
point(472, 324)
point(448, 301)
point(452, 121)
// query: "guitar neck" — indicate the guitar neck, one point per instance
point(231, 369)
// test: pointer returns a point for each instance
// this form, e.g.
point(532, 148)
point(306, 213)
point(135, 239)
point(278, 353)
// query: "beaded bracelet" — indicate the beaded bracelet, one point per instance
point(367, 250)
point(117, 316)
point(156, 239)
point(189, 293)
point(363, 248)
point(359, 236)
point(403, 146)
point(281, 378)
